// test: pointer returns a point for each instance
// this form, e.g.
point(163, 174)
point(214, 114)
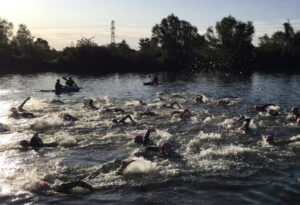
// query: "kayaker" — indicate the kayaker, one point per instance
point(58, 86)
point(70, 82)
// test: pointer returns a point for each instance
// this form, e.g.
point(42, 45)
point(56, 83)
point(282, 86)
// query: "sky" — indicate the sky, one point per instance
point(63, 22)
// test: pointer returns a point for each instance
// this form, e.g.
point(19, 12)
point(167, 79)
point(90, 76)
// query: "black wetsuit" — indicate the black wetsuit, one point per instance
point(66, 187)
point(58, 87)
point(67, 117)
point(147, 140)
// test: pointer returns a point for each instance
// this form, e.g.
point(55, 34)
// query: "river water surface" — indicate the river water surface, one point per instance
point(216, 162)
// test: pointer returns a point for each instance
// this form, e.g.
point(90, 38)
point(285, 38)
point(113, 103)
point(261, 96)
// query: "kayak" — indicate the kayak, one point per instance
point(151, 83)
point(64, 90)
point(68, 89)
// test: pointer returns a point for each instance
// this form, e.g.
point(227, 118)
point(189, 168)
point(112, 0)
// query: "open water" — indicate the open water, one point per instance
point(216, 162)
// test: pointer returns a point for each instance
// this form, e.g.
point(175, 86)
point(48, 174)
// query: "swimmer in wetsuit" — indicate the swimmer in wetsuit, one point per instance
point(246, 125)
point(273, 112)
point(164, 149)
point(262, 108)
point(199, 99)
point(171, 105)
point(20, 112)
point(146, 141)
point(36, 143)
point(114, 110)
point(123, 120)
point(67, 117)
point(276, 142)
point(223, 103)
point(147, 113)
point(89, 104)
point(124, 165)
point(65, 187)
point(296, 113)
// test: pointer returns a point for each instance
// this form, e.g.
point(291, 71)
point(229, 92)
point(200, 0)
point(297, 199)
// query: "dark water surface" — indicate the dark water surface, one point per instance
point(216, 164)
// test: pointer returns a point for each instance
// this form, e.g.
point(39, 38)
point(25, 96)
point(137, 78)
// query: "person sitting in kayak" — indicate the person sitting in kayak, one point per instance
point(36, 143)
point(146, 141)
point(22, 113)
point(171, 105)
point(153, 82)
point(89, 104)
point(276, 142)
point(262, 108)
point(58, 86)
point(64, 187)
point(67, 117)
point(70, 82)
point(123, 120)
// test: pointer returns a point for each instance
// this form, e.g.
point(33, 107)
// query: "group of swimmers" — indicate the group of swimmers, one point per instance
point(165, 148)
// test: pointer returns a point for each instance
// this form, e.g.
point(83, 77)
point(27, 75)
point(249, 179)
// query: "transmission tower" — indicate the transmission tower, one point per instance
point(112, 30)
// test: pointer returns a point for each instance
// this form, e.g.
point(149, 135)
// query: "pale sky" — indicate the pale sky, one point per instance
point(62, 22)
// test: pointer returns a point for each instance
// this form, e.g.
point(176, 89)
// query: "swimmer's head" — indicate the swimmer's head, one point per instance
point(43, 186)
point(91, 101)
point(36, 134)
point(138, 139)
point(256, 107)
point(243, 128)
point(298, 121)
point(295, 110)
point(58, 80)
point(270, 138)
point(270, 112)
point(24, 143)
point(166, 147)
point(219, 102)
point(199, 98)
point(115, 121)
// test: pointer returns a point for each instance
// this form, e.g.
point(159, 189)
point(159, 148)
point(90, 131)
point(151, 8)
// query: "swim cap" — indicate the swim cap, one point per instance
point(42, 185)
point(24, 143)
point(270, 112)
point(166, 146)
point(219, 102)
point(199, 98)
point(269, 138)
point(295, 110)
point(256, 107)
point(115, 121)
point(298, 121)
point(243, 128)
point(138, 139)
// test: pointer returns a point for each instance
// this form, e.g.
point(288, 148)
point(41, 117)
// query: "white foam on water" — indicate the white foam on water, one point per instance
point(46, 124)
point(140, 166)
point(196, 143)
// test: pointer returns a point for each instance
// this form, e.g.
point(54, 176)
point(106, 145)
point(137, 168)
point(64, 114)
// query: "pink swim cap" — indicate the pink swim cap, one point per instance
point(269, 138)
point(42, 185)
point(24, 143)
point(138, 139)
point(298, 121)
point(295, 110)
point(271, 112)
point(166, 146)
point(242, 128)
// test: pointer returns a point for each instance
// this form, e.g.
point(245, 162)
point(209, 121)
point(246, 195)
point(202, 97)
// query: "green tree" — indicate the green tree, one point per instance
point(178, 40)
point(232, 43)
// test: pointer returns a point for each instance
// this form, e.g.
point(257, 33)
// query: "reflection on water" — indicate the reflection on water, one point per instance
point(215, 161)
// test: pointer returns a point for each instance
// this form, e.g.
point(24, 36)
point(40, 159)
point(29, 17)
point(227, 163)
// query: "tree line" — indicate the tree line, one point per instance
point(174, 45)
